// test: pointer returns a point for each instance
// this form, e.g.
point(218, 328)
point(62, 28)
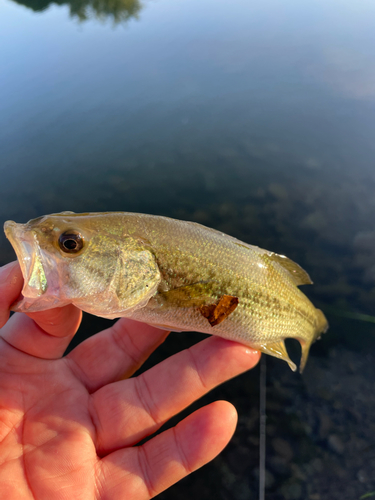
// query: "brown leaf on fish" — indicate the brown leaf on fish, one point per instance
point(216, 313)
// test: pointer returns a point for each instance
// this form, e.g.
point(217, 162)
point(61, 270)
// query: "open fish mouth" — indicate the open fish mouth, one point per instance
point(26, 246)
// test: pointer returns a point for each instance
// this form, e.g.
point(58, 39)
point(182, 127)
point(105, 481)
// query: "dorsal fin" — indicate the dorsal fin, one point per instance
point(299, 275)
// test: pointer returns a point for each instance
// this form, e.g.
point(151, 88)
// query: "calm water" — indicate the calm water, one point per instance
point(257, 118)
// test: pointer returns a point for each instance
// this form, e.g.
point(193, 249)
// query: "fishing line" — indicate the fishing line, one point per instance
point(262, 428)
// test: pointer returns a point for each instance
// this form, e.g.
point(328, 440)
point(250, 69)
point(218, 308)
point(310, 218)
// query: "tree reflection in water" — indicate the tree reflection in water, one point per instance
point(118, 10)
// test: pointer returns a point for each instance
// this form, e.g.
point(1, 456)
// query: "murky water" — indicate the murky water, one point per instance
point(256, 118)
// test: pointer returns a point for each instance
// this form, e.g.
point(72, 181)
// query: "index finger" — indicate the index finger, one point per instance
point(45, 334)
point(11, 282)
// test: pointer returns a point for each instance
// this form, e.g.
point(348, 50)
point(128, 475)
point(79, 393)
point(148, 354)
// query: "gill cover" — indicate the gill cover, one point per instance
point(112, 278)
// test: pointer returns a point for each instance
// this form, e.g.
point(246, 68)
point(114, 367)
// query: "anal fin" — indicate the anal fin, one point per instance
point(278, 350)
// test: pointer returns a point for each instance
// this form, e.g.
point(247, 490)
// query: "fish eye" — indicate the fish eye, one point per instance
point(71, 242)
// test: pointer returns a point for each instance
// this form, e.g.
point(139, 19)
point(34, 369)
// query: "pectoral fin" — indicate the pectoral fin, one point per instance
point(278, 350)
point(194, 295)
point(216, 313)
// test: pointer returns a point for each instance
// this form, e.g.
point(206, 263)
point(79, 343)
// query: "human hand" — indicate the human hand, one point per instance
point(69, 426)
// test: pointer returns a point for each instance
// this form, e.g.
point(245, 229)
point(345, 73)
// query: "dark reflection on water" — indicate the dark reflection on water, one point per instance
point(117, 10)
point(254, 118)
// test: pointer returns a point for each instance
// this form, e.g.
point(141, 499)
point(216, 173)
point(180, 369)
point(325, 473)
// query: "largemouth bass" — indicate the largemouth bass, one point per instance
point(176, 275)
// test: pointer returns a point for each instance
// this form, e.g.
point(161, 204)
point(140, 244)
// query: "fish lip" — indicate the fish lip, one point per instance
point(25, 244)
point(13, 233)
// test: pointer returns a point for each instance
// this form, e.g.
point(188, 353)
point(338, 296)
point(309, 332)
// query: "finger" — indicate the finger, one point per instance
point(11, 282)
point(147, 470)
point(114, 353)
point(43, 334)
point(126, 412)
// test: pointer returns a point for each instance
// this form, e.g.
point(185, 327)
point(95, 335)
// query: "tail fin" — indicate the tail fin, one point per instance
point(321, 327)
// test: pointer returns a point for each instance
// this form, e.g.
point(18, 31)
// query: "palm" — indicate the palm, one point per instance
point(68, 425)
point(48, 423)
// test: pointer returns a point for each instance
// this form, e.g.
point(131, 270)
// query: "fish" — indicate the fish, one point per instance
point(173, 274)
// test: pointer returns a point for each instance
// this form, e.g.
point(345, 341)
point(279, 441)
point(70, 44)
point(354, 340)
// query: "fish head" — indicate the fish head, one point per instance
point(80, 259)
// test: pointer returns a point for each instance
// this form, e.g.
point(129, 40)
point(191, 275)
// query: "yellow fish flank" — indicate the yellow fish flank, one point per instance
point(177, 275)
